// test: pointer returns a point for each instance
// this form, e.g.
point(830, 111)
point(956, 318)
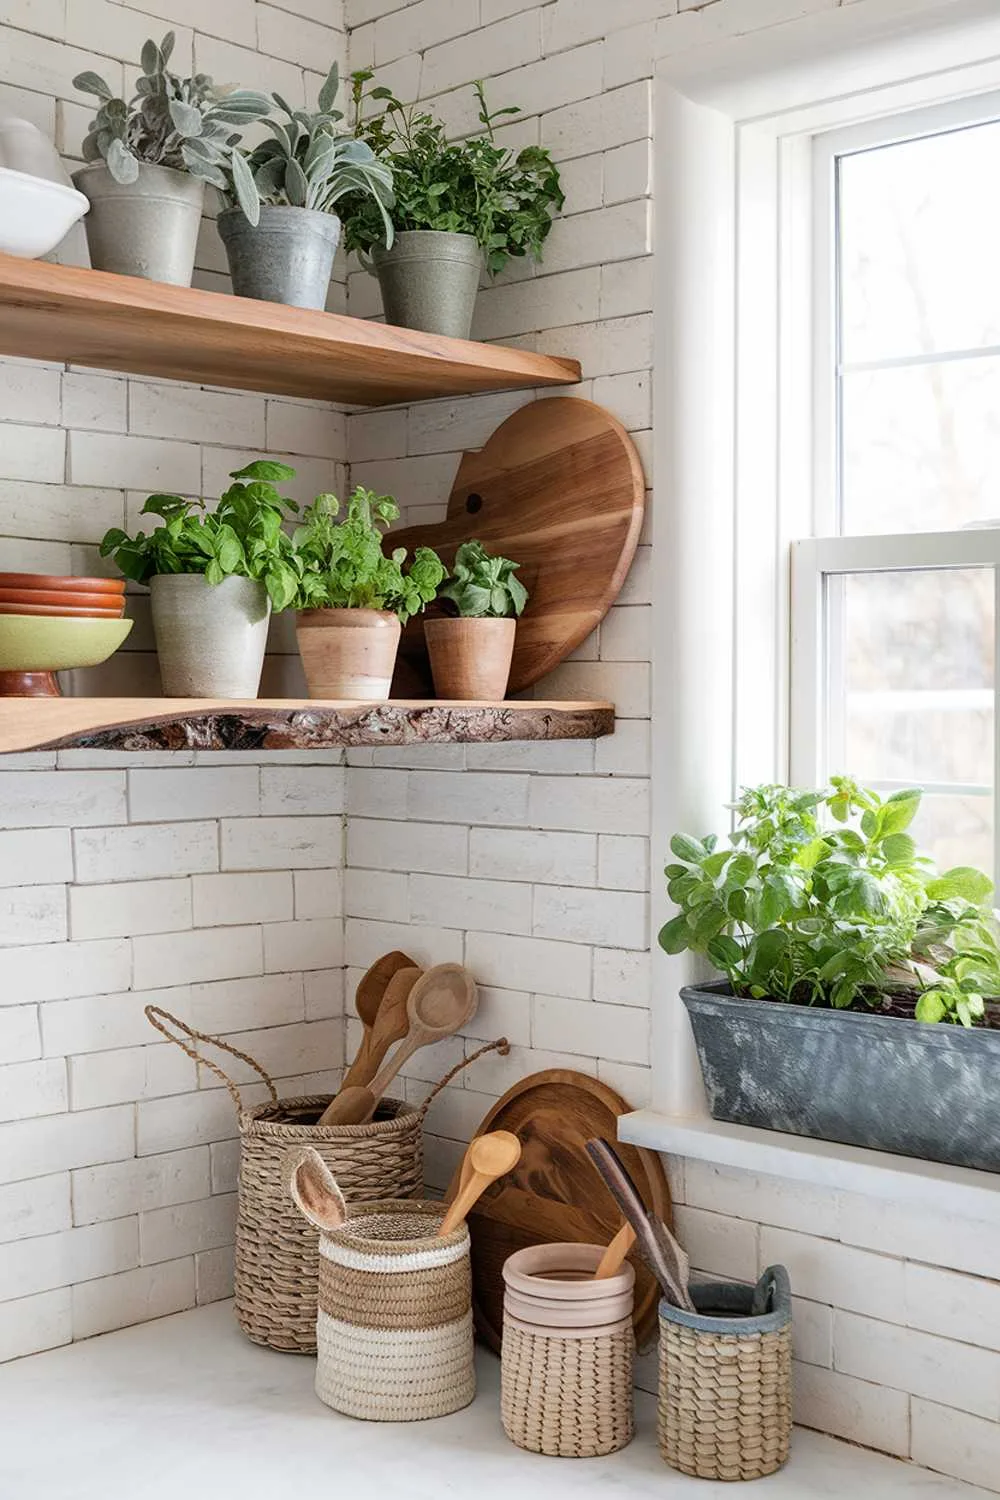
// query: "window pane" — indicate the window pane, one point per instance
point(921, 446)
point(919, 230)
point(911, 673)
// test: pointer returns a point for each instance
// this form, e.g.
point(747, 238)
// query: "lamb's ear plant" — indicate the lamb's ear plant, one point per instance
point(241, 535)
point(312, 162)
point(481, 586)
point(343, 565)
point(184, 123)
point(823, 899)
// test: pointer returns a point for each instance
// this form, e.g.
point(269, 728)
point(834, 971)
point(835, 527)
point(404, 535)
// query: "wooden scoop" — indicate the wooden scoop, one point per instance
point(489, 1157)
point(614, 1256)
point(391, 1025)
point(439, 1004)
point(312, 1186)
point(373, 985)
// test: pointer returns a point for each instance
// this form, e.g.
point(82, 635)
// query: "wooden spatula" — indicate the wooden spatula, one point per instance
point(488, 1157)
point(391, 1025)
point(657, 1245)
point(368, 1000)
point(439, 1004)
point(614, 1256)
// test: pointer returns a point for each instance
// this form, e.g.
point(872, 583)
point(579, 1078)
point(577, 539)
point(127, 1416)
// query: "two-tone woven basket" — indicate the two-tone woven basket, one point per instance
point(725, 1393)
point(277, 1260)
point(394, 1327)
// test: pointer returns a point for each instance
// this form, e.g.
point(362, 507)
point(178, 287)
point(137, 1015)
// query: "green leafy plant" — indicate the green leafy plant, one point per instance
point(823, 899)
point(475, 186)
point(312, 163)
point(184, 123)
point(481, 585)
point(242, 535)
point(343, 565)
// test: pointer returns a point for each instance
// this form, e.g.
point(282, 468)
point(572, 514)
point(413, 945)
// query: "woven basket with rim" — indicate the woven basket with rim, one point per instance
point(277, 1260)
point(725, 1395)
point(395, 1315)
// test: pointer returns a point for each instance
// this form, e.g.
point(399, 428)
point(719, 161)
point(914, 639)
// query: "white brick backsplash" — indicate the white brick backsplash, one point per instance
point(190, 957)
point(626, 288)
point(529, 963)
point(586, 1027)
point(507, 44)
point(134, 463)
point(603, 235)
point(966, 1308)
point(718, 1244)
point(473, 797)
point(324, 992)
point(588, 804)
point(225, 1158)
point(632, 1082)
point(30, 1324)
point(28, 1209)
point(852, 1409)
point(20, 1035)
point(214, 1274)
point(528, 854)
point(615, 918)
point(301, 789)
point(570, 298)
point(144, 852)
point(625, 633)
point(53, 1260)
point(955, 1443)
point(118, 1077)
point(909, 1230)
point(193, 414)
point(188, 1120)
point(281, 843)
point(619, 116)
point(230, 791)
point(39, 799)
point(318, 894)
point(296, 38)
point(769, 1200)
point(32, 914)
point(28, 1089)
point(316, 944)
point(33, 453)
point(59, 971)
point(488, 905)
point(626, 752)
point(133, 1297)
point(827, 1272)
point(185, 1228)
point(96, 1023)
point(92, 400)
point(294, 427)
point(365, 941)
point(236, 1004)
point(122, 1188)
point(444, 426)
point(124, 910)
point(953, 1374)
point(812, 1332)
point(58, 511)
point(57, 1143)
point(35, 857)
point(235, 900)
point(622, 863)
point(568, 22)
point(569, 757)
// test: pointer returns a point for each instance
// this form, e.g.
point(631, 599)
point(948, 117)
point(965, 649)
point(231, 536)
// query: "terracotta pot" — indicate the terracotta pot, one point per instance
point(348, 653)
point(470, 659)
point(59, 581)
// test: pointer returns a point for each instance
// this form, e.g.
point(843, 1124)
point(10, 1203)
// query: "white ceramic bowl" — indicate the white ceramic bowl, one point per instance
point(35, 214)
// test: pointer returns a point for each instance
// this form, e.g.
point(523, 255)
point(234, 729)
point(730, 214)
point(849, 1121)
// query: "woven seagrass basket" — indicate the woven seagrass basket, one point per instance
point(568, 1351)
point(725, 1393)
point(394, 1327)
point(277, 1259)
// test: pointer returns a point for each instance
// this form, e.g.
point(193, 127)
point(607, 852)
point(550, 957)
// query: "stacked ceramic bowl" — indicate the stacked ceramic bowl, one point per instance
point(53, 624)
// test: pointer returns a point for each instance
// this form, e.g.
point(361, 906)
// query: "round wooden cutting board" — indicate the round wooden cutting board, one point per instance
point(555, 1193)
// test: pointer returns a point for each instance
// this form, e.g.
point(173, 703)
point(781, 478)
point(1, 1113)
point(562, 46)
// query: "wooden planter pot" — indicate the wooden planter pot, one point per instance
point(470, 659)
point(348, 653)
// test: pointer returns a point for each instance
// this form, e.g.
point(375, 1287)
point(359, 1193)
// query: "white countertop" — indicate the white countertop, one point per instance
point(186, 1408)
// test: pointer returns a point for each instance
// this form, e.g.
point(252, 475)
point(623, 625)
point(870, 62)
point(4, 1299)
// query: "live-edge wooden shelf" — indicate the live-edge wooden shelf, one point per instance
point(83, 317)
point(285, 724)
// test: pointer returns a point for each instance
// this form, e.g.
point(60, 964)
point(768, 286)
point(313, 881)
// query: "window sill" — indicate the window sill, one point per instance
point(944, 1189)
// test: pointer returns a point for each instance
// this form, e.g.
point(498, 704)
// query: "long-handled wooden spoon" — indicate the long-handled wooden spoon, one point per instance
point(368, 1000)
point(439, 1004)
point(614, 1256)
point(314, 1189)
point(489, 1157)
point(391, 1025)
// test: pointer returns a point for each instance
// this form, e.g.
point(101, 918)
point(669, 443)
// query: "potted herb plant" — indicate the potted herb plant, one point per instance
point(284, 252)
point(352, 598)
point(857, 1002)
point(214, 576)
point(149, 160)
point(471, 649)
point(457, 206)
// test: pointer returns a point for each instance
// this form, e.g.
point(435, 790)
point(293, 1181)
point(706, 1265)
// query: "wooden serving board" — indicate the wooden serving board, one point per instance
point(555, 1193)
point(559, 488)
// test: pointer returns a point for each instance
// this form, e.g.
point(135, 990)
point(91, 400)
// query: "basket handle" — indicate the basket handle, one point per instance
point(156, 1017)
point(501, 1045)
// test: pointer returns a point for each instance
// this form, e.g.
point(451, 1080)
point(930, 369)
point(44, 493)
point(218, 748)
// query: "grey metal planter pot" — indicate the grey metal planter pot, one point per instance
point(146, 228)
point(287, 257)
point(430, 280)
point(210, 637)
point(875, 1081)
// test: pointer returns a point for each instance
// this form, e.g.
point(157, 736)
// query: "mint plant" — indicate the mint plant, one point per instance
point(241, 535)
point(481, 586)
point(343, 565)
point(823, 899)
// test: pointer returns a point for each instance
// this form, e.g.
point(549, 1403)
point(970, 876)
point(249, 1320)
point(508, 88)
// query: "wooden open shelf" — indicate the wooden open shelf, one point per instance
point(84, 317)
point(285, 724)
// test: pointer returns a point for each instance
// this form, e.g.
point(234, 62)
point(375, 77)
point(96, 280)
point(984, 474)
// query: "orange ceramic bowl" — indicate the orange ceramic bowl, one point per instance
point(58, 583)
point(77, 598)
point(67, 611)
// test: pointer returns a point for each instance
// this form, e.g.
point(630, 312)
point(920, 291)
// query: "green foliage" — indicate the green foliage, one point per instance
point(474, 186)
point(184, 123)
point(242, 535)
point(831, 914)
point(311, 163)
point(483, 585)
point(343, 565)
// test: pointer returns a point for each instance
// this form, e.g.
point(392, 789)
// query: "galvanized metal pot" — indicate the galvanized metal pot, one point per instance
point(878, 1081)
point(287, 257)
point(429, 280)
point(210, 637)
point(145, 228)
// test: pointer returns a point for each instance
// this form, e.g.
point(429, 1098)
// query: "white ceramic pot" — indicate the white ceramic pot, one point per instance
point(210, 638)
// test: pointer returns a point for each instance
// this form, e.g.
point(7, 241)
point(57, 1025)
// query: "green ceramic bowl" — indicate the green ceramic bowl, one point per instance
point(54, 643)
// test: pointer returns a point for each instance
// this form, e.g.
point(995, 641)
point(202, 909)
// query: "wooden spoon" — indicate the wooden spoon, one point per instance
point(391, 1025)
point(367, 1002)
point(314, 1189)
point(489, 1157)
point(439, 1004)
point(614, 1256)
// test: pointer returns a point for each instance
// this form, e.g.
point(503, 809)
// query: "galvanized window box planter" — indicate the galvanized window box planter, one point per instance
point(878, 1081)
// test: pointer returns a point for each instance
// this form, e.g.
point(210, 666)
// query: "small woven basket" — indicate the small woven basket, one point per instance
point(566, 1374)
point(394, 1327)
point(725, 1393)
point(277, 1251)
